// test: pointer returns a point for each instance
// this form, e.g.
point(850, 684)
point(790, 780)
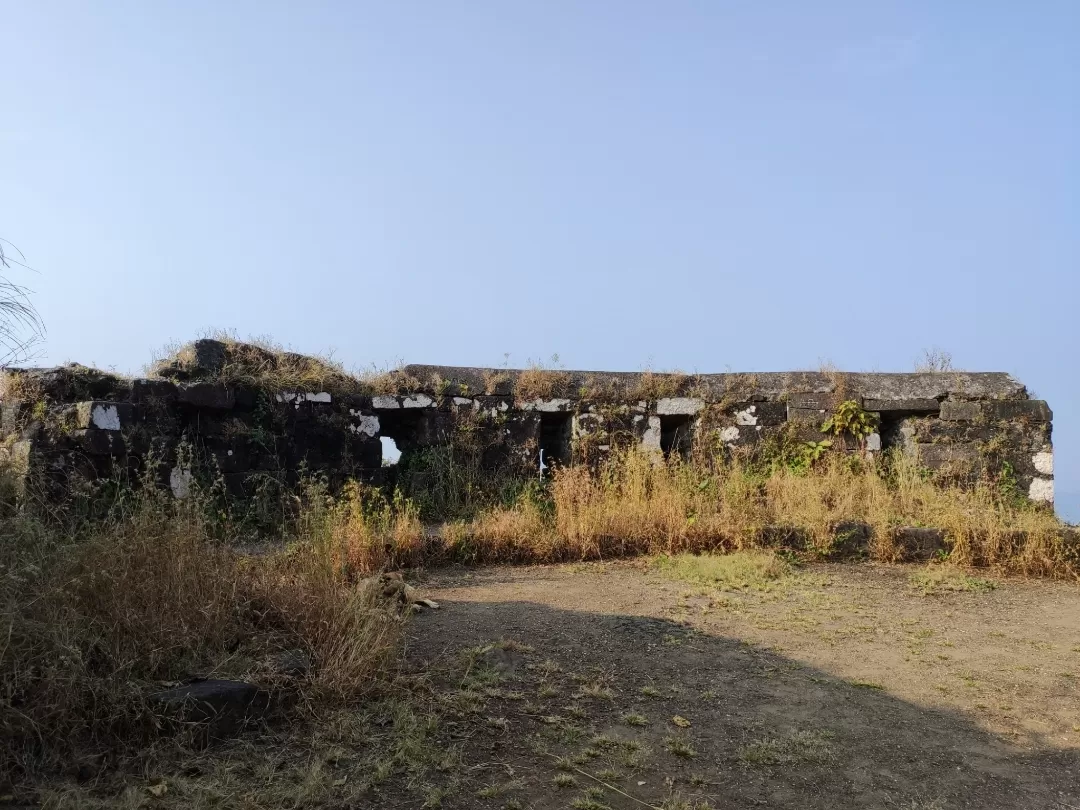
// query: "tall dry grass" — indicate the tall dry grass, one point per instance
point(637, 504)
point(96, 617)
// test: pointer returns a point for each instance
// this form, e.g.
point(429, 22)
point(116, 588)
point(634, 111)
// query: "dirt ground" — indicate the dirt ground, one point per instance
point(616, 685)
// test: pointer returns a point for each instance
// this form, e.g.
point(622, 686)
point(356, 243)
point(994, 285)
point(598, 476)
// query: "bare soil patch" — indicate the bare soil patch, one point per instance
point(684, 684)
point(625, 685)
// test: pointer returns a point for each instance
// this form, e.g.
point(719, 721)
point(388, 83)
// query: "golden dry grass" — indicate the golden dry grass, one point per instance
point(95, 617)
point(637, 504)
point(542, 383)
point(262, 363)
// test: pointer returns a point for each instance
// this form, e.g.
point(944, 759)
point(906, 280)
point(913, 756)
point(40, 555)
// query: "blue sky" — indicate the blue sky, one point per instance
point(700, 186)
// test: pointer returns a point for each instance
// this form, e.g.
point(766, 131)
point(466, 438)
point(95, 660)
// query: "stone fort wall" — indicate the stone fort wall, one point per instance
point(72, 424)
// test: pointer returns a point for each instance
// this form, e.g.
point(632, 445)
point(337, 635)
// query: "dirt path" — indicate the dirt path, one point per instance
point(842, 686)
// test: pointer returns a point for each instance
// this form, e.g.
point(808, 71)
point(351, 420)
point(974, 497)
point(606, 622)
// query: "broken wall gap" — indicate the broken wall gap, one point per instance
point(391, 455)
point(399, 432)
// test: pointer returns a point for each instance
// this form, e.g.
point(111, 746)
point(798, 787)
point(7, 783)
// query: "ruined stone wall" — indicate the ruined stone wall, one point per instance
point(70, 425)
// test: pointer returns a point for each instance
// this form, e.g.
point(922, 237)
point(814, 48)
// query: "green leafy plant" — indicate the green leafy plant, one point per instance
point(850, 419)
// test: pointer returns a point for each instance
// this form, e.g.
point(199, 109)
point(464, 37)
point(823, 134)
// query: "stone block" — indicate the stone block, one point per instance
point(233, 456)
point(246, 399)
point(223, 706)
point(807, 416)
point(938, 456)
point(789, 537)
point(212, 396)
point(146, 390)
point(70, 383)
point(98, 442)
point(904, 406)
point(738, 435)
point(850, 539)
point(11, 414)
point(960, 411)
point(919, 543)
point(935, 431)
point(1034, 409)
point(810, 432)
point(679, 406)
point(813, 401)
point(766, 414)
point(103, 415)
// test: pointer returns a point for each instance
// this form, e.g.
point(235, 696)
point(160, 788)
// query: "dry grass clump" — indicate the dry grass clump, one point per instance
point(936, 579)
point(259, 363)
point(798, 747)
point(542, 383)
point(94, 618)
point(636, 503)
point(360, 531)
point(660, 384)
point(749, 570)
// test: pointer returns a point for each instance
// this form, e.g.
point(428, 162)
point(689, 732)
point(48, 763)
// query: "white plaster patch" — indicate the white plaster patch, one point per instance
point(366, 425)
point(729, 435)
point(105, 417)
point(873, 442)
point(418, 401)
point(679, 406)
point(180, 482)
point(746, 417)
point(638, 418)
point(464, 401)
point(230, 452)
point(385, 403)
point(1044, 462)
point(650, 440)
point(547, 405)
point(296, 397)
point(1042, 489)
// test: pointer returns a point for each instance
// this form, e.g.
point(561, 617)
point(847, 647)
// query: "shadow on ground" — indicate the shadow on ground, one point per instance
point(589, 710)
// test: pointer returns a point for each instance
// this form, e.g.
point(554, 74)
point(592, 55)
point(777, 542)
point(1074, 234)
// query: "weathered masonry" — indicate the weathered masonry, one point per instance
point(73, 423)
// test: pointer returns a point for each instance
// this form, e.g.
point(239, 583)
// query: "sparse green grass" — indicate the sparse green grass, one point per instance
point(587, 802)
point(497, 789)
point(680, 747)
point(634, 719)
point(597, 691)
point(936, 579)
point(650, 691)
point(867, 685)
point(737, 571)
point(796, 748)
point(564, 780)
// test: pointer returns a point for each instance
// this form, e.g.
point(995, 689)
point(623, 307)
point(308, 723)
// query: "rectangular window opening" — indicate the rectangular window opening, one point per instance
point(675, 434)
point(556, 434)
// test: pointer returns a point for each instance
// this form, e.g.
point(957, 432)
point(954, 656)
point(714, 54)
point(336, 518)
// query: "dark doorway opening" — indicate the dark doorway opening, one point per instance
point(675, 434)
point(556, 435)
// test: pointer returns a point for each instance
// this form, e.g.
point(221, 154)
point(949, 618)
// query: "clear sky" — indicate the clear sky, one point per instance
point(696, 185)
